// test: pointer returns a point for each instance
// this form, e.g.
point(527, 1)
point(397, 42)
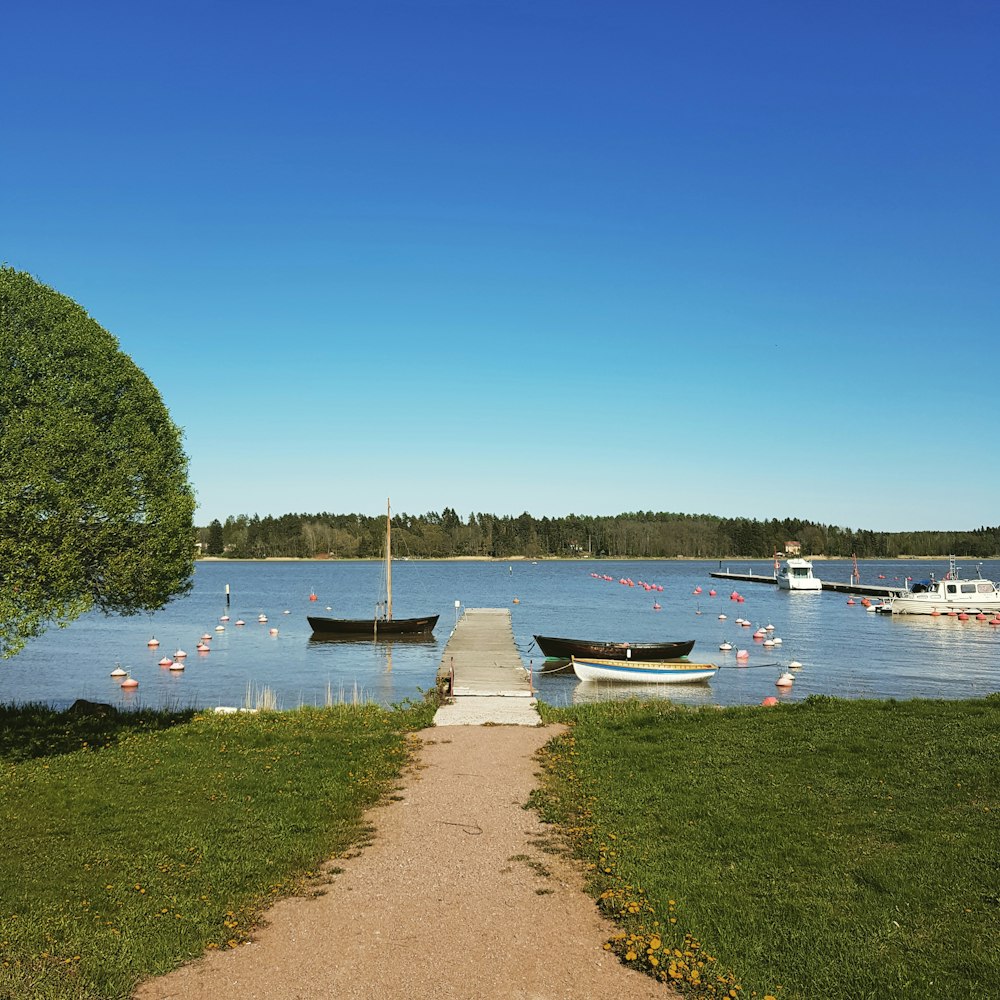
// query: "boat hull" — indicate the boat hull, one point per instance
point(564, 649)
point(620, 671)
point(805, 584)
point(377, 628)
point(928, 604)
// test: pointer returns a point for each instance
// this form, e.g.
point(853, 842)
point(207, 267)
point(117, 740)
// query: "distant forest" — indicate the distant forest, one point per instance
point(641, 535)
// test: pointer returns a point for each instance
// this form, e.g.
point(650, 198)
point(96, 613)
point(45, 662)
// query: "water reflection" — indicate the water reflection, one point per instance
point(318, 639)
point(588, 692)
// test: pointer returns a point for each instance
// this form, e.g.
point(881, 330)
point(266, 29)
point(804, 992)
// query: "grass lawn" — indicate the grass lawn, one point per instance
point(825, 849)
point(131, 843)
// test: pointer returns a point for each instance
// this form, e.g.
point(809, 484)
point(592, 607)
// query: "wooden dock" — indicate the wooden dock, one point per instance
point(482, 673)
point(862, 589)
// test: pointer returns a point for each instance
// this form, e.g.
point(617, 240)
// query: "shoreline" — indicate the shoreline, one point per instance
point(584, 559)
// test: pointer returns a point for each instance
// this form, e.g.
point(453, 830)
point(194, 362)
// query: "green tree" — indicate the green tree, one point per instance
point(216, 545)
point(95, 505)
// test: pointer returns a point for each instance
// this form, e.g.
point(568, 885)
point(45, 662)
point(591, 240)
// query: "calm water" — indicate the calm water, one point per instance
point(845, 651)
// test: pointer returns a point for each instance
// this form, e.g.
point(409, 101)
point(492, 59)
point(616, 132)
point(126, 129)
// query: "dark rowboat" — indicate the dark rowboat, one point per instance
point(563, 649)
point(381, 625)
point(372, 628)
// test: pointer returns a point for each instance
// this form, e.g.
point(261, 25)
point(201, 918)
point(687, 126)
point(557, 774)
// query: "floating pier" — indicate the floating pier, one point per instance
point(865, 589)
point(482, 674)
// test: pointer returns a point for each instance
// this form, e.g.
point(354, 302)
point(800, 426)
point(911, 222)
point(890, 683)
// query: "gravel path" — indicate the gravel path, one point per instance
point(454, 898)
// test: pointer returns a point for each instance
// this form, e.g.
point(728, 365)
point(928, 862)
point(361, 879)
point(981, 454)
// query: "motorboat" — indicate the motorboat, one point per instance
point(797, 574)
point(928, 597)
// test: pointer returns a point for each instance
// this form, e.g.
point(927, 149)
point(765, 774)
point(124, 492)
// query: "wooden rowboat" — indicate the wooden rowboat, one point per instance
point(630, 672)
point(563, 649)
point(371, 628)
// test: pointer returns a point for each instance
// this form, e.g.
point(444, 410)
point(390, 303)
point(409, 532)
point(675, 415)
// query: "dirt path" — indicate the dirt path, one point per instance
point(454, 898)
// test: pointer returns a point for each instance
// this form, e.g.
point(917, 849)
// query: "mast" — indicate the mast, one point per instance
point(388, 562)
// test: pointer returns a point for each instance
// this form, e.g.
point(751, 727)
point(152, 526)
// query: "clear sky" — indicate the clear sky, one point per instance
point(738, 258)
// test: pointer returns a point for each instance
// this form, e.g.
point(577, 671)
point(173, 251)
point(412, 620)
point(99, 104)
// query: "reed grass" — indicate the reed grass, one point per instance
point(825, 849)
point(260, 698)
point(131, 843)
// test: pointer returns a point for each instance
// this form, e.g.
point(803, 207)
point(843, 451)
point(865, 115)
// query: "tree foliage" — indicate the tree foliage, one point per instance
point(95, 505)
point(642, 534)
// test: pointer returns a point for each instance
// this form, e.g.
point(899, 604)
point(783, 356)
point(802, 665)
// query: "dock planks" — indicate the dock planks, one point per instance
point(483, 672)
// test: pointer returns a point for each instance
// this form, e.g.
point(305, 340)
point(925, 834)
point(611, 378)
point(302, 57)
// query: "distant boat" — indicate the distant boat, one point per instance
point(563, 649)
point(797, 574)
point(381, 625)
point(947, 595)
point(664, 672)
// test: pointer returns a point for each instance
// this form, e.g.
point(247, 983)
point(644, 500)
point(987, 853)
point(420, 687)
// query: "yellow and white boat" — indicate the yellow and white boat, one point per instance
point(643, 672)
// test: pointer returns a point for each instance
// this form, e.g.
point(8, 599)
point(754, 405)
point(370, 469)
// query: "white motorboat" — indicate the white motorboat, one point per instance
point(797, 574)
point(928, 597)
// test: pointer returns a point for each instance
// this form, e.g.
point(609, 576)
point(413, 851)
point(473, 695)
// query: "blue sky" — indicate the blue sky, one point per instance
point(732, 258)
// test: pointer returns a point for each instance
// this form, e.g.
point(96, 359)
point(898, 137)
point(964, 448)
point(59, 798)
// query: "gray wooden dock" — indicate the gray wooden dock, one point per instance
point(864, 589)
point(483, 675)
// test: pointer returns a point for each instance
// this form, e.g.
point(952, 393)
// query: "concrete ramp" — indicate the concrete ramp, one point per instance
point(482, 672)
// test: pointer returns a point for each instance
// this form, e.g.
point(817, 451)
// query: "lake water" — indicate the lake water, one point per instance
point(845, 651)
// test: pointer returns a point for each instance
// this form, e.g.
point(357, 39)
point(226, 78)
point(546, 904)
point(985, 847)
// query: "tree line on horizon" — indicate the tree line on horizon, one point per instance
point(641, 535)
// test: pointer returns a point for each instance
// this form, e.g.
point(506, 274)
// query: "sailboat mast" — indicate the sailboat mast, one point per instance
point(388, 561)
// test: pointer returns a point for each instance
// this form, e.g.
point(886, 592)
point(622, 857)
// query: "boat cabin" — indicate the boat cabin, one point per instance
point(797, 569)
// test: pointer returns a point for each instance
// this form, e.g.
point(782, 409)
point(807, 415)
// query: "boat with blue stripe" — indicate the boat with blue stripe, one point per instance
point(643, 672)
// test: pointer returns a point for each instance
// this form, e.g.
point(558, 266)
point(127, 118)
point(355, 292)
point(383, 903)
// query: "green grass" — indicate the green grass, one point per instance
point(131, 843)
point(825, 849)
